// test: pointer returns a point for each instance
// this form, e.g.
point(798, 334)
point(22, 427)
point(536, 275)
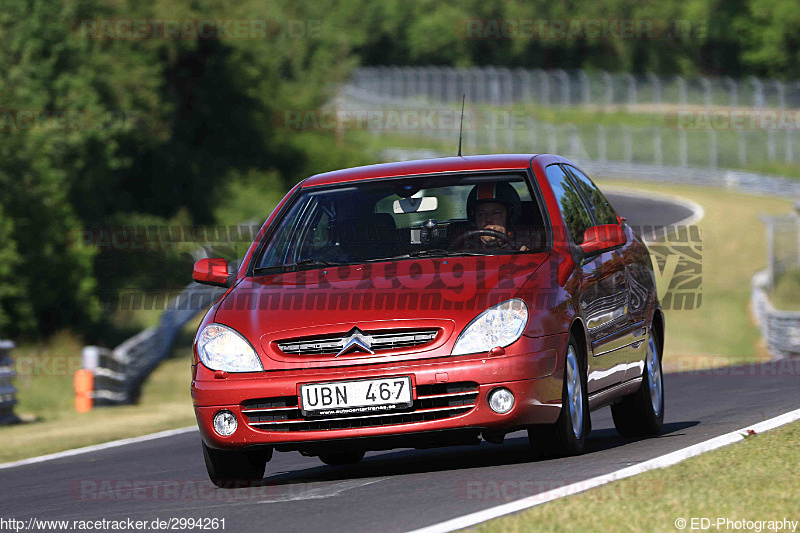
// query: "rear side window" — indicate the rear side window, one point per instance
point(573, 209)
point(603, 212)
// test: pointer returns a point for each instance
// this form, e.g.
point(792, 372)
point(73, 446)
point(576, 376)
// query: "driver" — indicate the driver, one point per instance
point(494, 206)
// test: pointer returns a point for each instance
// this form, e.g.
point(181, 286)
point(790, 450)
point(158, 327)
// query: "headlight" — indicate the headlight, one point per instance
point(500, 325)
point(221, 348)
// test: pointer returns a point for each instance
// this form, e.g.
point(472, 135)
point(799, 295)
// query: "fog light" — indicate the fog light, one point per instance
point(225, 423)
point(501, 400)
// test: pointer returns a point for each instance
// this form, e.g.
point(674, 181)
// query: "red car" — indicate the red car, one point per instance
point(428, 303)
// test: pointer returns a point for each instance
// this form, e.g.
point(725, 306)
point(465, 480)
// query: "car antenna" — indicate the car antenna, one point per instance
point(461, 128)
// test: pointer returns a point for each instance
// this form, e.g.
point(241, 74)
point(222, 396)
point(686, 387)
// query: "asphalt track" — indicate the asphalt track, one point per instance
point(396, 490)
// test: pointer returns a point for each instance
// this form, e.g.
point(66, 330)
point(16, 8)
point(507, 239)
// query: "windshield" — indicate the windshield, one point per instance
point(411, 217)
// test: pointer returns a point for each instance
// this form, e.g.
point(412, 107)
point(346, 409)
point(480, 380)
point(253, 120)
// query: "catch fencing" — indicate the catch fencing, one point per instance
point(8, 392)
point(678, 138)
point(574, 88)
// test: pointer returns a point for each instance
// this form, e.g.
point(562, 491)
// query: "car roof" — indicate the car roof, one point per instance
point(423, 166)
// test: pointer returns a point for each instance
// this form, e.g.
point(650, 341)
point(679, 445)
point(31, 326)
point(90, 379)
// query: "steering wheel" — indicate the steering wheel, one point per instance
point(456, 244)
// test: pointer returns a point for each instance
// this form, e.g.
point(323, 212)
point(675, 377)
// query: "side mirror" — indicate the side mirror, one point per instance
point(603, 237)
point(213, 271)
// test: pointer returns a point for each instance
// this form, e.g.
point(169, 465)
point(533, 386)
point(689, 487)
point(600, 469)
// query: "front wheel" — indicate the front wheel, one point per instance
point(568, 435)
point(641, 413)
point(235, 468)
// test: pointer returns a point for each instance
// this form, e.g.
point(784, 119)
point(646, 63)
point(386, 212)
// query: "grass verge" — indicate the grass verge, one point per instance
point(756, 479)
point(46, 402)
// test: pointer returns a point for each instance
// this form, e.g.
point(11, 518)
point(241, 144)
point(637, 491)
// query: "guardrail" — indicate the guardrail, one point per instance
point(115, 376)
point(118, 374)
point(7, 390)
point(780, 329)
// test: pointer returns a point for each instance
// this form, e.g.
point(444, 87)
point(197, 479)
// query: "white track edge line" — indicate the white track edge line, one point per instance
point(98, 447)
point(663, 461)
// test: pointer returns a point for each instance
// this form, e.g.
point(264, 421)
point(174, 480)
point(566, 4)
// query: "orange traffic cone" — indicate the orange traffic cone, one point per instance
point(84, 385)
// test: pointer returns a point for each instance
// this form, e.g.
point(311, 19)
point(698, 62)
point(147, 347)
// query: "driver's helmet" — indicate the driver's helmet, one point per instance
point(500, 192)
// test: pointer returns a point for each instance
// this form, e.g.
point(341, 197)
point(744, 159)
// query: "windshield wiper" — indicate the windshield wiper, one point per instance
point(312, 262)
point(301, 263)
point(434, 252)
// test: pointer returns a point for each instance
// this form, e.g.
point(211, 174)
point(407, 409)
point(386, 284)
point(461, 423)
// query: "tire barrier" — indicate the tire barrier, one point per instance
point(8, 393)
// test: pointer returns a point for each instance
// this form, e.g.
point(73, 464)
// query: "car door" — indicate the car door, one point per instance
point(601, 296)
point(628, 336)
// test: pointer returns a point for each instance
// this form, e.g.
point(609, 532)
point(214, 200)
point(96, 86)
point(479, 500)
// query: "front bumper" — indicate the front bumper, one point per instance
point(532, 371)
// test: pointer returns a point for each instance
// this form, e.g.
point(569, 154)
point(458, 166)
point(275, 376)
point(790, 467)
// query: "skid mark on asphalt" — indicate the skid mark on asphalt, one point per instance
point(321, 492)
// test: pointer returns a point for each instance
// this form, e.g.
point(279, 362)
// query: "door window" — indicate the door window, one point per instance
point(573, 209)
point(603, 212)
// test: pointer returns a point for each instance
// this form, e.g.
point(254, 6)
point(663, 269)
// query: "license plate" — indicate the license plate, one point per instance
point(356, 397)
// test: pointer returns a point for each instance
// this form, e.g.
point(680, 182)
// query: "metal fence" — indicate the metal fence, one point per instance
point(665, 141)
point(8, 392)
point(583, 88)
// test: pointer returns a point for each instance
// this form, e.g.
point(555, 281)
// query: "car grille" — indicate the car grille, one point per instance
point(434, 402)
point(381, 340)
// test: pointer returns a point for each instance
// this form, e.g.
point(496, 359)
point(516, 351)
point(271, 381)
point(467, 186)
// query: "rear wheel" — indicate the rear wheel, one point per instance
point(342, 458)
point(235, 468)
point(568, 435)
point(641, 413)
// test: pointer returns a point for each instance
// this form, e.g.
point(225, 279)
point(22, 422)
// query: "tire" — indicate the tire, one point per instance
point(232, 469)
point(641, 414)
point(342, 458)
point(568, 435)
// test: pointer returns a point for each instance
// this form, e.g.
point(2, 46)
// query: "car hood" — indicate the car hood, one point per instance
point(292, 318)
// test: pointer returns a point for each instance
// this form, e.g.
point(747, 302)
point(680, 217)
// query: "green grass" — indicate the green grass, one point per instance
point(756, 479)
